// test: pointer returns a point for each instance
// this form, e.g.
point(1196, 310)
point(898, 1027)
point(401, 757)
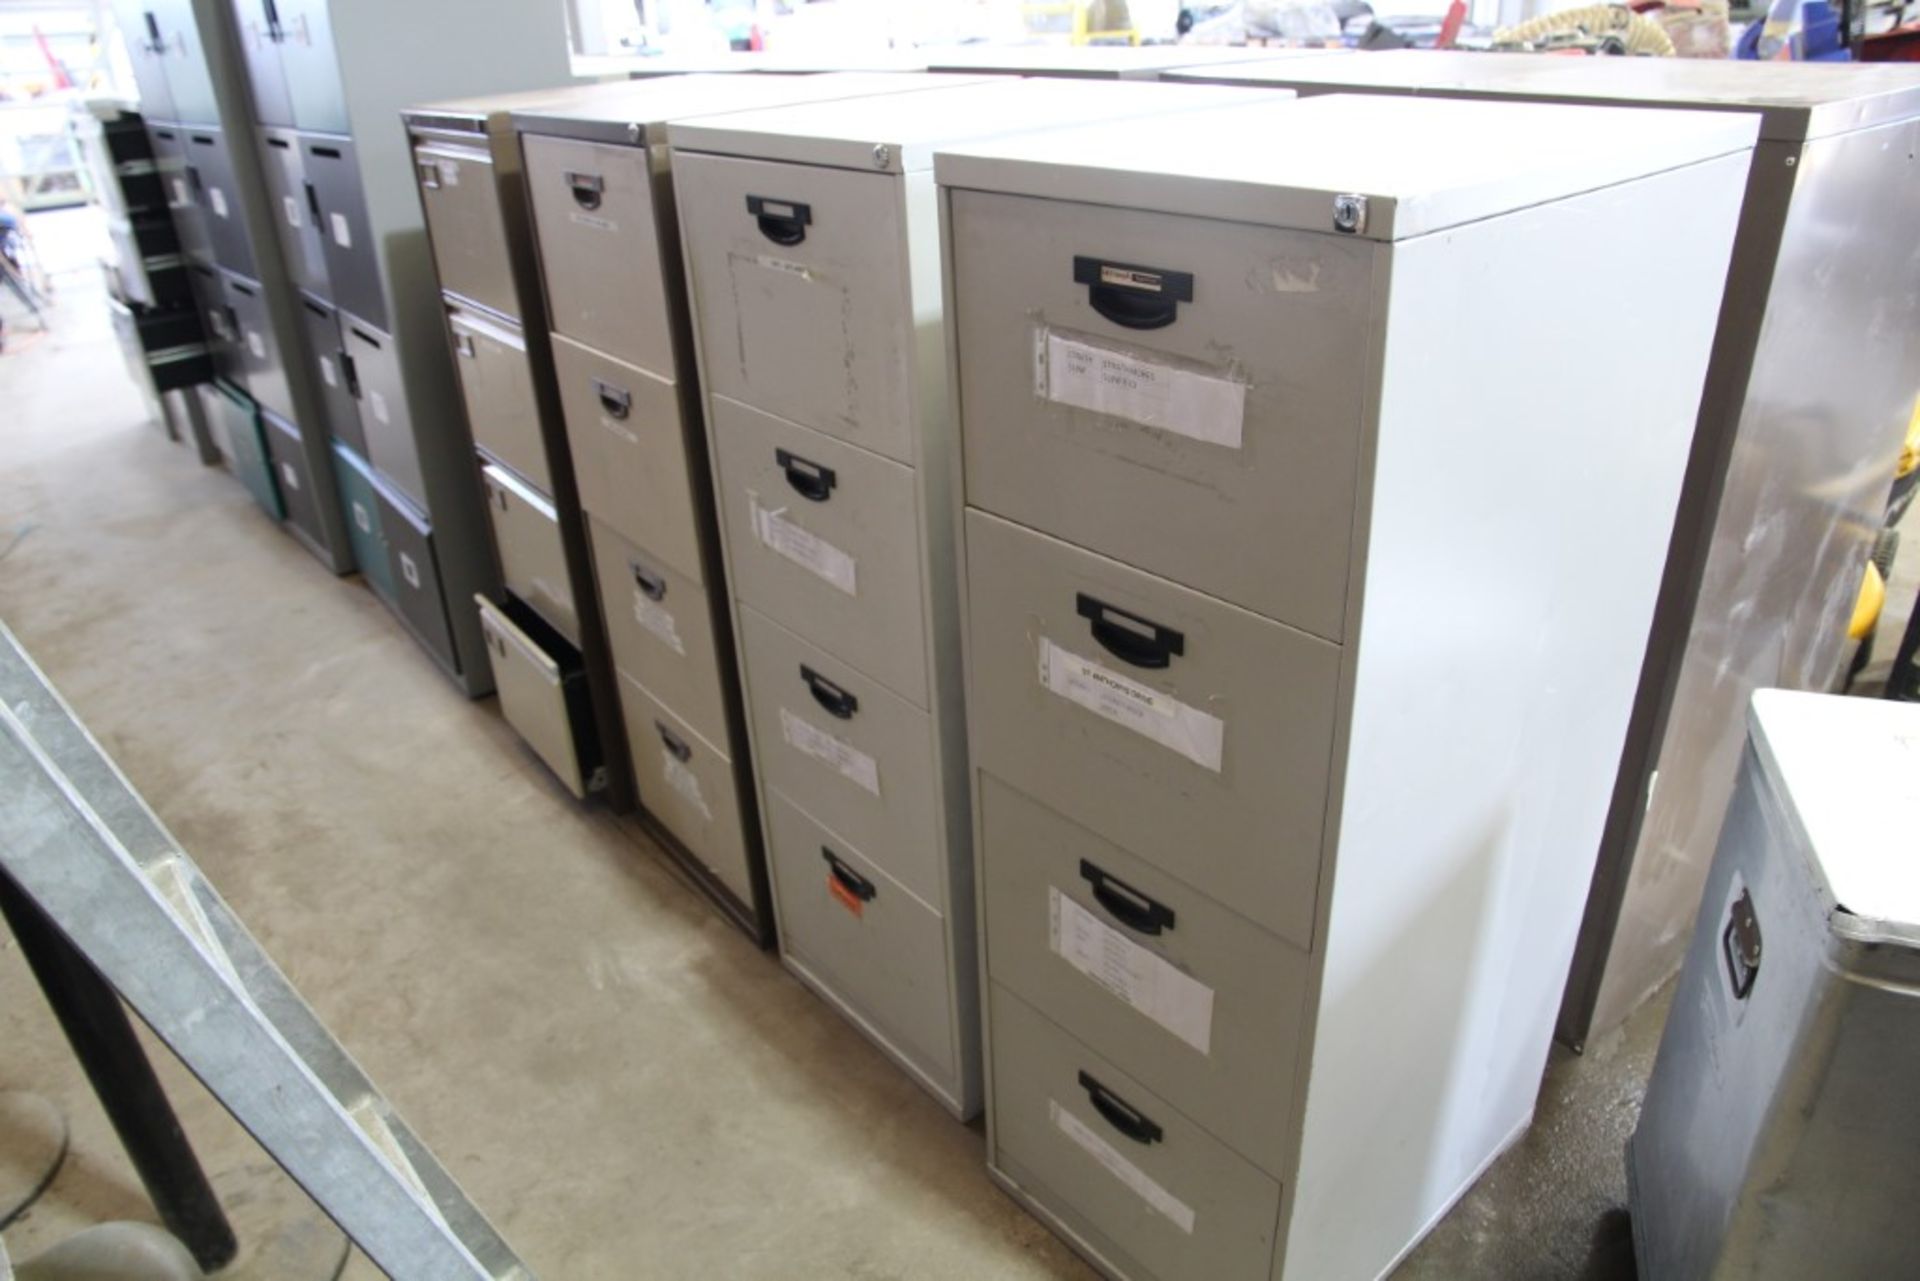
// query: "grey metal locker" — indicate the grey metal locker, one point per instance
point(415, 573)
point(333, 370)
point(1268, 826)
point(360, 501)
point(379, 386)
point(189, 220)
point(294, 210)
point(309, 64)
point(257, 25)
point(260, 354)
point(188, 57)
point(210, 170)
point(224, 342)
point(292, 475)
point(339, 207)
point(147, 53)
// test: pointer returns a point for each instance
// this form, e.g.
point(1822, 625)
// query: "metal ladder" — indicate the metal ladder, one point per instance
point(77, 838)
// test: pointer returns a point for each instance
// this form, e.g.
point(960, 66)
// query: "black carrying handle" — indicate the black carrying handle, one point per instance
point(674, 743)
point(651, 585)
point(588, 189)
point(1129, 1120)
point(809, 479)
point(835, 701)
point(1129, 637)
point(1132, 296)
point(850, 881)
point(1125, 904)
point(617, 401)
point(784, 222)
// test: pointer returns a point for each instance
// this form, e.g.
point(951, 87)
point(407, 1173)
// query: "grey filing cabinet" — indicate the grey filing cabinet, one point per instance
point(325, 93)
point(1790, 469)
point(601, 203)
point(1285, 801)
point(548, 642)
point(812, 250)
point(1777, 1136)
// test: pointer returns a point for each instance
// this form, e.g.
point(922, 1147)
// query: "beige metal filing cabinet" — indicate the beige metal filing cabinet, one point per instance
point(1292, 733)
point(1807, 403)
point(600, 203)
point(812, 249)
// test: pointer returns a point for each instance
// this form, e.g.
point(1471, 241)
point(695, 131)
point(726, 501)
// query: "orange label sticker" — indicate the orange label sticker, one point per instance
point(848, 899)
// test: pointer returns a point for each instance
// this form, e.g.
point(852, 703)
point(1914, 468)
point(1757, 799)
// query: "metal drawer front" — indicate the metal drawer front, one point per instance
point(593, 212)
point(211, 172)
point(362, 509)
point(334, 372)
point(465, 225)
point(383, 407)
point(1194, 1000)
point(824, 539)
point(237, 427)
point(416, 576)
point(148, 59)
point(687, 784)
point(259, 352)
point(346, 237)
point(533, 561)
point(799, 275)
point(222, 325)
point(857, 932)
point(533, 695)
point(1270, 350)
point(1143, 1175)
point(630, 453)
point(496, 382)
point(1195, 734)
point(660, 625)
point(258, 31)
point(856, 756)
point(291, 474)
point(189, 219)
point(307, 60)
point(294, 211)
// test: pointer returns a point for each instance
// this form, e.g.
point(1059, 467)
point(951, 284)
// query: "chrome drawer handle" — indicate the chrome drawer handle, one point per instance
point(588, 188)
point(617, 401)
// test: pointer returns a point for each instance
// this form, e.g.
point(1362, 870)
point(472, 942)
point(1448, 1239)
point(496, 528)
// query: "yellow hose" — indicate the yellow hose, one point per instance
point(1642, 35)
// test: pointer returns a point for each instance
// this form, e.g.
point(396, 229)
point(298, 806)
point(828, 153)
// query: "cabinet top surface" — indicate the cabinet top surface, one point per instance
point(1798, 100)
point(903, 138)
point(1097, 61)
point(1416, 166)
point(475, 114)
point(739, 62)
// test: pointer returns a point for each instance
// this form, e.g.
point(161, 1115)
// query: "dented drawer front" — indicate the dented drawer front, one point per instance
point(361, 506)
point(335, 372)
point(1193, 733)
point(416, 576)
point(291, 472)
point(629, 446)
point(291, 207)
point(852, 753)
point(593, 213)
point(533, 560)
point(687, 784)
point(496, 382)
point(1077, 1131)
point(800, 283)
point(465, 223)
point(824, 539)
point(857, 932)
point(539, 697)
point(1194, 1000)
point(1180, 394)
point(660, 625)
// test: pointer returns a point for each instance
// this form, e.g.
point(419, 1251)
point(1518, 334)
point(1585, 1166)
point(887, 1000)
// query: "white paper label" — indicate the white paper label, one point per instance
point(840, 756)
point(655, 618)
point(256, 346)
point(292, 207)
point(449, 172)
point(1198, 406)
point(362, 518)
point(594, 221)
point(180, 194)
point(379, 404)
point(409, 570)
point(683, 781)
point(1166, 720)
point(328, 372)
point(217, 201)
point(289, 476)
point(1143, 979)
point(783, 266)
point(342, 233)
point(801, 547)
point(1120, 1168)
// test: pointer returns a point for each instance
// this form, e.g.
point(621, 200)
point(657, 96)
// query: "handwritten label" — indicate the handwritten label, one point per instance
point(379, 404)
point(783, 266)
point(803, 548)
point(1166, 720)
point(292, 208)
point(342, 231)
point(217, 201)
point(684, 782)
point(1142, 978)
point(838, 755)
point(289, 476)
point(594, 221)
point(1198, 406)
point(656, 619)
point(328, 372)
point(1120, 1168)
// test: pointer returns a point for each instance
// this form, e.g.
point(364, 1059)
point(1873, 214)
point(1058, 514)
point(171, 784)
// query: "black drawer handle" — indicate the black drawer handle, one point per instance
point(1133, 297)
point(325, 153)
point(653, 586)
point(674, 743)
point(836, 701)
point(313, 202)
point(351, 373)
point(1129, 637)
point(587, 189)
point(1125, 904)
point(617, 401)
point(850, 881)
point(809, 480)
point(784, 222)
point(1130, 1121)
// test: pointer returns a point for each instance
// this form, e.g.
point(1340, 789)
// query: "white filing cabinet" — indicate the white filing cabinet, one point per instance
point(600, 201)
point(812, 249)
point(1296, 672)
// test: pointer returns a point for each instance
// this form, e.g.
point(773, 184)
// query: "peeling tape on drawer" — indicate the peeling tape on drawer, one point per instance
point(1139, 388)
point(1143, 979)
point(658, 620)
point(1166, 720)
point(803, 548)
point(1120, 1168)
point(685, 782)
point(843, 758)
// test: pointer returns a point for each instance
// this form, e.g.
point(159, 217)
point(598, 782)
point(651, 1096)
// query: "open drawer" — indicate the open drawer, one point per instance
point(543, 693)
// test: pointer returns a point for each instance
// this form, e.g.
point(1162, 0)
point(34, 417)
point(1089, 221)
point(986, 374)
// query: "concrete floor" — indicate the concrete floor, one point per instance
point(621, 1081)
